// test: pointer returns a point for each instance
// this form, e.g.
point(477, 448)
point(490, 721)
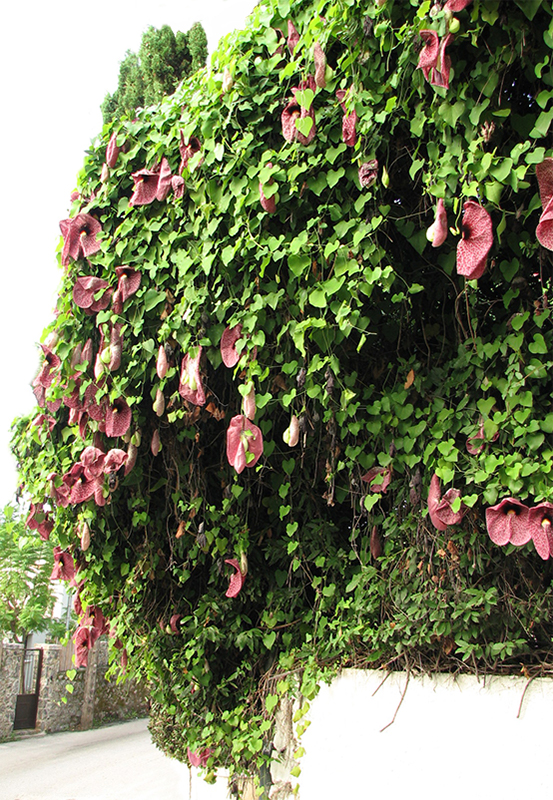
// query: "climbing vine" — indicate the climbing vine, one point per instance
point(296, 401)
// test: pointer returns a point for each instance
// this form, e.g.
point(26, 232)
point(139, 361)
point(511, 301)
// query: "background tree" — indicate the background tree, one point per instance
point(297, 394)
point(163, 60)
point(27, 595)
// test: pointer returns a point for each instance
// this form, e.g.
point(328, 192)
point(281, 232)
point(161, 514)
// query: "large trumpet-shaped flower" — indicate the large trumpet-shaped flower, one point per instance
point(507, 522)
point(190, 385)
point(79, 237)
point(244, 443)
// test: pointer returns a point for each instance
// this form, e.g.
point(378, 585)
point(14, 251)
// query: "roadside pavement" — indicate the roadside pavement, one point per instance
point(117, 762)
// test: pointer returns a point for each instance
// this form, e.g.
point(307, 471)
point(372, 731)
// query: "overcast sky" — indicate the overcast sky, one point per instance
point(57, 61)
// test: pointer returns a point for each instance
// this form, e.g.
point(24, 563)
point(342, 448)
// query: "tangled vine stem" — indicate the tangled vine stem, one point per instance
point(259, 396)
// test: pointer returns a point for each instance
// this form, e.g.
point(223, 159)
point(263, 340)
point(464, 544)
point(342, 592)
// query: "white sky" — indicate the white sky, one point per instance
point(57, 61)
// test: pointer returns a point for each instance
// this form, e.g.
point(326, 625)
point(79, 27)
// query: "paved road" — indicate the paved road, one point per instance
point(118, 762)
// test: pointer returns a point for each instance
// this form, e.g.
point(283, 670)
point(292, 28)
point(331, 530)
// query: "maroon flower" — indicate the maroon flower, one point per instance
point(476, 241)
point(151, 184)
point(229, 353)
point(198, 758)
point(439, 508)
point(293, 111)
point(83, 646)
point(39, 520)
point(384, 475)
point(81, 486)
point(188, 150)
point(475, 449)
point(90, 293)
point(118, 417)
point(174, 623)
point(429, 53)
point(244, 443)
point(320, 65)
point(178, 185)
point(64, 566)
point(437, 232)
point(40, 419)
point(540, 519)
point(190, 385)
point(80, 237)
point(237, 578)
point(508, 522)
point(349, 120)
point(112, 151)
point(293, 37)
point(92, 460)
point(368, 173)
point(59, 494)
point(544, 231)
point(96, 624)
point(114, 460)
point(433, 61)
point(51, 363)
point(456, 5)
point(128, 281)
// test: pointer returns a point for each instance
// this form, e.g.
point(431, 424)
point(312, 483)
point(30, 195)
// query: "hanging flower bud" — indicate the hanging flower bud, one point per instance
point(161, 365)
point(320, 65)
point(85, 536)
point(159, 403)
point(248, 404)
point(132, 453)
point(228, 81)
point(437, 232)
point(155, 445)
point(292, 433)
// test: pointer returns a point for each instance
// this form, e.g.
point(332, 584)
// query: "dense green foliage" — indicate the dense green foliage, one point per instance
point(352, 323)
point(164, 59)
point(26, 593)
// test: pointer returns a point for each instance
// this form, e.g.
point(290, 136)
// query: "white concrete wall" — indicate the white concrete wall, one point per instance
point(456, 738)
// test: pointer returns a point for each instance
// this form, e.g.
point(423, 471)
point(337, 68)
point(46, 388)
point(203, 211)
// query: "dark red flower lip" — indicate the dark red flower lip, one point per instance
point(540, 521)
point(118, 417)
point(507, 522)
point(476, 241)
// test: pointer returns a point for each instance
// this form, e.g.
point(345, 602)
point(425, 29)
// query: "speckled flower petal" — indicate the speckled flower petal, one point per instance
point(237, 578)
point(477, 239)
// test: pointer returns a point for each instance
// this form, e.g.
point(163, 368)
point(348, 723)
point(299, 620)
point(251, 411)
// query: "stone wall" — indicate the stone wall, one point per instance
point(10, 668)
point(87, 700)
point(58, 708)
